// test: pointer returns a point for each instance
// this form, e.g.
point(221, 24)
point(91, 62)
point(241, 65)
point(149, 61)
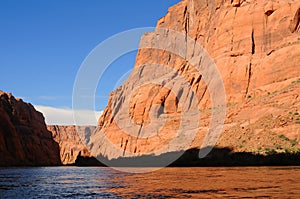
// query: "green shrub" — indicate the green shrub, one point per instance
point(286, 150)
point(270, 151)
point(296, 82)
point(294, 143)
point(283, 137)
point(292, 150)
point(297, 120)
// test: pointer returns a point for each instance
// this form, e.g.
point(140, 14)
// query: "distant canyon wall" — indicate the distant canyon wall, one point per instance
point(25, 140)
point(70, 142)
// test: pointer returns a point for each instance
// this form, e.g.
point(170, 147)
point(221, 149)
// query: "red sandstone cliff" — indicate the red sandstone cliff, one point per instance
point(24, 138)
point(70, 143)
point(255, 45)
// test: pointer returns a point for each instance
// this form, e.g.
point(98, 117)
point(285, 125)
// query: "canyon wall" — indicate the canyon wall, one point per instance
point(24, 138)
point(70, 144)
point(255, 44)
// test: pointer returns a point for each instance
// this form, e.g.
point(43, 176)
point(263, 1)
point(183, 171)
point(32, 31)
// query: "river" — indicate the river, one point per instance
point(188, 182)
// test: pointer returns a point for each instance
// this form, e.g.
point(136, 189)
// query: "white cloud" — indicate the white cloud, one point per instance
point(64, 116)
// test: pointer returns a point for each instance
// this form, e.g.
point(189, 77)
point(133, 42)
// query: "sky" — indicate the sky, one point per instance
point(43, 44)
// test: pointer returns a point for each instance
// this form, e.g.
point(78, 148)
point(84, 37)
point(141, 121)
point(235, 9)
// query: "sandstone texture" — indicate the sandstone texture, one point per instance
point(70, 142)
point(255, 45)
point(24, 138)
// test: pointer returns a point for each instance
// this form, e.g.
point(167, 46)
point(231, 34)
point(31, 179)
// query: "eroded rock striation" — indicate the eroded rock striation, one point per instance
point(24, 138)
point(255, 45)
point(70, 142)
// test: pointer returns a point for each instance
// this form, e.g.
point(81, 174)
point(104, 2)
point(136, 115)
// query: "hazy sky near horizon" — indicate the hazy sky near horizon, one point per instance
point(43, 44)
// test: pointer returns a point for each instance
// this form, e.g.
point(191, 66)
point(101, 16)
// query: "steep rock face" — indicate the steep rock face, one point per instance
point(24, 138)
point(255, 46)
point(70, 144)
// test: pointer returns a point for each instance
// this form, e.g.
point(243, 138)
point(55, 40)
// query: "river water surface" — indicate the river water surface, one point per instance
point(99, 182)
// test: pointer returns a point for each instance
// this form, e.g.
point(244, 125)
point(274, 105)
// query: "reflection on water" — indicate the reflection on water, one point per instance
point(93, 182)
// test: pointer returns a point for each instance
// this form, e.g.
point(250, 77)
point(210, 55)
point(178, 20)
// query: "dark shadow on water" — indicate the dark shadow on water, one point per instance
point(190, 158)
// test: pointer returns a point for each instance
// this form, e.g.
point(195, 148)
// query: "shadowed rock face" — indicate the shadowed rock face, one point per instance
point(255, 45)
point(70, 142)
point(24, 138)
